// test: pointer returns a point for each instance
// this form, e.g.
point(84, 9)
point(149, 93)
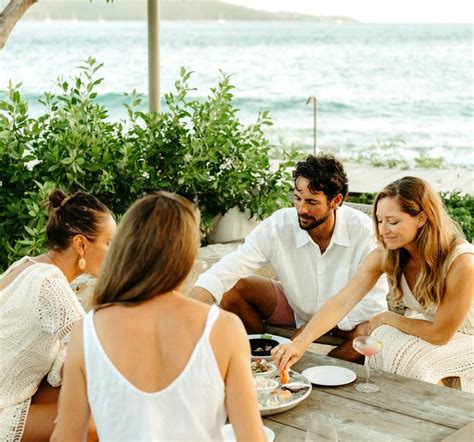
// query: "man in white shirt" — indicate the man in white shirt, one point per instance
point(314, 251)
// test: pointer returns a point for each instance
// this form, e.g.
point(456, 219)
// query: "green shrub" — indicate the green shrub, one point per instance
point(461, 208)
point(197, 148)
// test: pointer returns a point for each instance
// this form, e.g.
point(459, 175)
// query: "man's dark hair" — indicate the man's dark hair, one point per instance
point(324, 173)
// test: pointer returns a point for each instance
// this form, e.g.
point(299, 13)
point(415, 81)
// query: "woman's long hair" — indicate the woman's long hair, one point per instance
point(435, 240)
point(152, 252)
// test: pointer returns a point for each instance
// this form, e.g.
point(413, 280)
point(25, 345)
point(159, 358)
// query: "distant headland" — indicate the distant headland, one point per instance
point(184, 10)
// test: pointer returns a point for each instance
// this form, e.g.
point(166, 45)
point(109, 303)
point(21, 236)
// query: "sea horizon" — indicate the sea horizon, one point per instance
point(374, 83)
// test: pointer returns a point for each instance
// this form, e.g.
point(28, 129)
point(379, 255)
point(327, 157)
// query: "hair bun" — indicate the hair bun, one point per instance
point(56, 198)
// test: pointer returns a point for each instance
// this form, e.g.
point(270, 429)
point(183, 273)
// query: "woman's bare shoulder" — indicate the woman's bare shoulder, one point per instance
point(229, 327)
point(463, 263)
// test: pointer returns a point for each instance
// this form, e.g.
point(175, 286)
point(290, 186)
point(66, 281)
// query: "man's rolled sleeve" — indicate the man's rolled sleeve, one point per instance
point(212, 284)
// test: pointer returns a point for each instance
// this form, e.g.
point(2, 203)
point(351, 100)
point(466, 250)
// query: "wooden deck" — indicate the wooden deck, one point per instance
point(373, 179)
point(403, 410)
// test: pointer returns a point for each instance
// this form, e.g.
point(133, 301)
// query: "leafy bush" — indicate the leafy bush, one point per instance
point(461, 208)
point(197, 148)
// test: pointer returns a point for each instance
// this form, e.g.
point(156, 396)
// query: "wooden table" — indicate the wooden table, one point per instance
point(404, 409)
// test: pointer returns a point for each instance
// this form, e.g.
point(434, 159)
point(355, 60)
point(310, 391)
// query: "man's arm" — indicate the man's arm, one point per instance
point(203, 295)
point(223, 275)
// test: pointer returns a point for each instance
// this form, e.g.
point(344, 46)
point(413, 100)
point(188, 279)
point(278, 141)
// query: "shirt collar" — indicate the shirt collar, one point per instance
point(340, 235)
point(301, 236)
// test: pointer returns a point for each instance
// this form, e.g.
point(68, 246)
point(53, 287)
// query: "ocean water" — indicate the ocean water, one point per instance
point(373, 82)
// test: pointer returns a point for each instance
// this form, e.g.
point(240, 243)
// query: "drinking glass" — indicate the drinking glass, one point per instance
point(321, 427)
point(367, 346)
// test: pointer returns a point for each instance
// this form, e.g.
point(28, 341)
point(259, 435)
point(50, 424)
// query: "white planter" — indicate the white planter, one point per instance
point(233, 226)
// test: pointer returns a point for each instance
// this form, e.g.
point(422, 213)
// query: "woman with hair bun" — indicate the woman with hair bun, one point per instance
point(430, 267)
point(149, 363)
point(38, 310)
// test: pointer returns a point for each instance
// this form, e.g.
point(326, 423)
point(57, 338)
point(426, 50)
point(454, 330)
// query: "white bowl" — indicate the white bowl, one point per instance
point(273, 370)
point(264, 386)
point(229, 436)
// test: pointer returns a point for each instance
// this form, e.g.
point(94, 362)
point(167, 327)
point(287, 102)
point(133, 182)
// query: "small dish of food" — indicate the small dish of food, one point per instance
point(261, 367)
point(264, 386)
point(262, 347)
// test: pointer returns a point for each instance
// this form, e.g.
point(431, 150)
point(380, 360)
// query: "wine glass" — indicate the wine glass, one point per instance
point(367, 346)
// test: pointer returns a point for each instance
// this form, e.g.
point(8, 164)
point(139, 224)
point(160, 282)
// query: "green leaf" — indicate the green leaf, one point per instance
point(30, 231)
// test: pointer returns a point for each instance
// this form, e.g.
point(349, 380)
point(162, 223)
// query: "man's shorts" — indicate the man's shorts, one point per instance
point(283, 313)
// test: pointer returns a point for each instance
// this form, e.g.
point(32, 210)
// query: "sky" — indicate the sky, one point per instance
point(375, 11)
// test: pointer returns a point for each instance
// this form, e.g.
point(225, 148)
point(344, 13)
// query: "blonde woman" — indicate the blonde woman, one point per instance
point(431, 269)
point(38, 310)
point(149, 363)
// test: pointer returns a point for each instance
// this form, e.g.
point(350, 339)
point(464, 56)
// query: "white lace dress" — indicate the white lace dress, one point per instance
point(37, 312)
point(411, 356)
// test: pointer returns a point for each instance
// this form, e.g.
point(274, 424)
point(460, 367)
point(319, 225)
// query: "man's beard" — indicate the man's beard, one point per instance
point(316, 221)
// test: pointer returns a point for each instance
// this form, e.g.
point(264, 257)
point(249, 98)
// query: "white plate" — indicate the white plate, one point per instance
point(229, 435)
point(285, 405)
point(329, 375)
point(279, 339)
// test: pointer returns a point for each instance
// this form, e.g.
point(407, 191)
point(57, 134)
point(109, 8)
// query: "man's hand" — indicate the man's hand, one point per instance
point(203, 295)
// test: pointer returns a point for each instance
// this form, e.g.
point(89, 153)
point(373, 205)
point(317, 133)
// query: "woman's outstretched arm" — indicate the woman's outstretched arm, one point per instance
point(333, 310)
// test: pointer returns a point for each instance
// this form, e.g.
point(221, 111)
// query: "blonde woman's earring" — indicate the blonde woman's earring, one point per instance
point(82, 263)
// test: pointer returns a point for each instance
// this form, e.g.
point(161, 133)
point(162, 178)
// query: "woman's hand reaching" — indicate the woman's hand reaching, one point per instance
point(286, 355)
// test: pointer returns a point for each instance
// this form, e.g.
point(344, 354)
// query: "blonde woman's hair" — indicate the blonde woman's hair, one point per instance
point(435, 240)
point(152, 252)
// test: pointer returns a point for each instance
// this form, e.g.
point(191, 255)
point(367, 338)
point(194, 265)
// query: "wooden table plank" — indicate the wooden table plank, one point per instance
point(465, 434)
point(358, 421)
point(405, 396)
point(284, 432)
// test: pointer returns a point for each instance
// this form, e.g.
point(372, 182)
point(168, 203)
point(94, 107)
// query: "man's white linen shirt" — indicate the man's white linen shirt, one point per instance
point(308, 277)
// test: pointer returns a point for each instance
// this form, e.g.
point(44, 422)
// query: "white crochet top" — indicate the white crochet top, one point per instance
point(37, 312)
point(412, 303)
point(411, 356)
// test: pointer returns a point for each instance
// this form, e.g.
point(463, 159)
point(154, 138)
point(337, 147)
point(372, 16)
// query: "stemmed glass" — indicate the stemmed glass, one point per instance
point(367, 346)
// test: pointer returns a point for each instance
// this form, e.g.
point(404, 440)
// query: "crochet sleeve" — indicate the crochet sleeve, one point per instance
point(59, 310)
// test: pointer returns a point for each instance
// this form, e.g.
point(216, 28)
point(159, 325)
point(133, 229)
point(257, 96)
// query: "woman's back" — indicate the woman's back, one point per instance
point(152, 372)
point(160, 366)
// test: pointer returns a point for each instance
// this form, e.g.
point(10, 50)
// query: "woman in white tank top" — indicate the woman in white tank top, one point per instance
point(148, 362)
